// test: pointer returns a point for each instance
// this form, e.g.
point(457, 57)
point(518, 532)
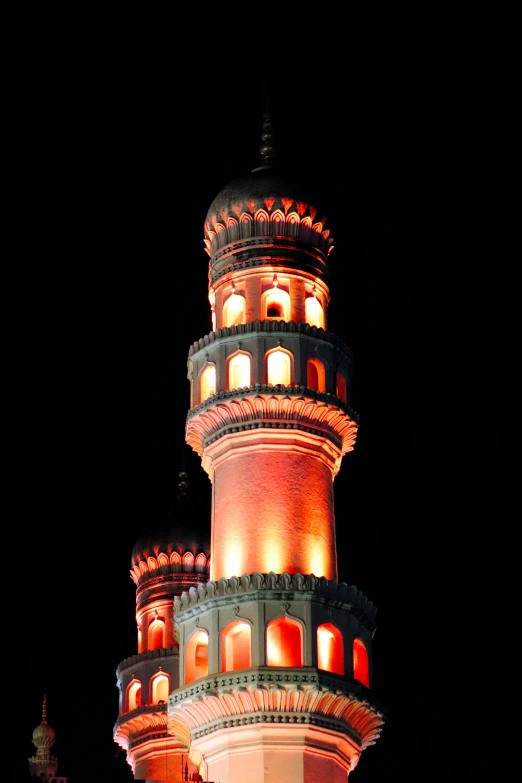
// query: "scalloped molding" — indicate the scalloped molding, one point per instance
point(148, 655)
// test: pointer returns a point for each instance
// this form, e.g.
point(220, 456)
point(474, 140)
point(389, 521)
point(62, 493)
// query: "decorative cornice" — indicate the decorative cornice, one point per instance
point(149, 655)
point(267, 252)
point(290, 327)
point(266, 695)
point(279, 407)
point(167, 567)
point(288, 587)
point(140, 722)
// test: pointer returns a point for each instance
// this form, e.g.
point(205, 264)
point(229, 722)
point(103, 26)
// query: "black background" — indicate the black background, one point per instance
point(116, 146)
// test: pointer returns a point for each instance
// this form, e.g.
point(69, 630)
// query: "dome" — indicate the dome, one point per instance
point(171, 537)
point(44, 735)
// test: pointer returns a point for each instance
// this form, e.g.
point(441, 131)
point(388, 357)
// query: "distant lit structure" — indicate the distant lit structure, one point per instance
point(268, 663)
point(43, 765)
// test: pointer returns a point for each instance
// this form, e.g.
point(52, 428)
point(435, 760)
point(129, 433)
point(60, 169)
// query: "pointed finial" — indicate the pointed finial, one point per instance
point(44, 709)
point(267, 148)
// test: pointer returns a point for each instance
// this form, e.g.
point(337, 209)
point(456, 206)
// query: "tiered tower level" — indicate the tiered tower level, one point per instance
point(275, 657)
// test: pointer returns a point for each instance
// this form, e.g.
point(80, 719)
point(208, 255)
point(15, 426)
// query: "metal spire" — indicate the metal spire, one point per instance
point(267, 148)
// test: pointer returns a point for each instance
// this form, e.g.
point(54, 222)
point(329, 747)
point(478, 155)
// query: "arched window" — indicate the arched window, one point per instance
point(236, 646)
point(207, 382)
point(234, 310)
point(133, 695)
point(340, 386)
point(330, 649)
point(196, 656)
point(315, 375)
point(159, 689)
point(284, 642)
point(279, 367)
point(361, 671)
point(188, 562)
point(155, 636)
point(314, 313)
point(201, 563)
point(276, 305)
point(239, 370)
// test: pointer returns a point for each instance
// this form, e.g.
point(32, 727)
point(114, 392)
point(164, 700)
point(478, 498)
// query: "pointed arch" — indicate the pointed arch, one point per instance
point(133, 695)
point(201, 563)
point(315, 374)
point(284, 642)
point(159, 687)
point(239, 368)
point(314, 312)
point(279, 367)
point(207, 382)
point(246, 225)
point(162, 559)
point(361, 670)
point(236, 646)
point(234, 310)
point(330, 649)
point(188, 561)
point(156, 635)
point(196, 656)
point(340, 386)
point(262, 216)
point(175, 561)
point(275, 304)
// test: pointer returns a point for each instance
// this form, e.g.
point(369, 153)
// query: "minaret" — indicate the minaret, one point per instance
point(275, 655)
point(43, 764)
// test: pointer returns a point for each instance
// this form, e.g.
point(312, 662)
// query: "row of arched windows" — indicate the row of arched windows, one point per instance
point(279, 370)
point(159, 689)
point(284, 647)
point(275, 306)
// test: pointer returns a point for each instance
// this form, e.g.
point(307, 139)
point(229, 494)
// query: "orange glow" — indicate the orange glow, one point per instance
point(276, 304)
point(236, 646)
point(314, 313)
point(279, 367)
point(234, 310)
point(284, 643)
point(361, 670)
point(239, 371)
point(156, 635)
point(207, 382)
point(133, 695)
point(196, 656)
point(340, 386)
point(159, 689)
point(330, 649)
point(315, 375)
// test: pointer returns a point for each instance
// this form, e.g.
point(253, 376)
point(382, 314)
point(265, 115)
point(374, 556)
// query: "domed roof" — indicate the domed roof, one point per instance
point(262, 184)
point(44, 735)
point(169, 538)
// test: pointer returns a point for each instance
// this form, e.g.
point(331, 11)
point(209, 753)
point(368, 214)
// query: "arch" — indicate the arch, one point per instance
point(196, 656)
point(175, 561)
point(340, 386)
point(314, 313)
point(262, 216)
point(152, 563)
point(239, 370)
point(284, 642)
point(330, 649)
point(279, 367)
point(188, 561)
point(156, 635)
point(201, 563)
point(234, 310)
point(361, 669)
point(315, 375)
point(236, 646)
point(275, 304)
point(246, 225)
point(162, 559)
point(159, 688)
point(207, 382)
point(133, 695)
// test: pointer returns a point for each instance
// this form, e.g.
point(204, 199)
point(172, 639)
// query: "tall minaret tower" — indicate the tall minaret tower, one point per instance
point(275, 655)
point(43, 764)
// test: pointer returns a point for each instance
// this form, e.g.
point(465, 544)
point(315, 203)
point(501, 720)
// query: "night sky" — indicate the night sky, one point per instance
point(116, 147)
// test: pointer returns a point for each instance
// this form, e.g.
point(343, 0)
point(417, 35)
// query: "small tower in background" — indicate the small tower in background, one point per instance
point(43, 765)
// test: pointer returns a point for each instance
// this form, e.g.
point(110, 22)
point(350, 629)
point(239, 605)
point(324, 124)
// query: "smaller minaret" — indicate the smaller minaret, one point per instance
point(43, 764)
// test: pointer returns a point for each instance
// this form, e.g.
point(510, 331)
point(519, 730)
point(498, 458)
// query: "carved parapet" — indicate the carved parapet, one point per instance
point(276, 407)
point(288, 587)
point(265, 695)
point(149, 655)
point(291, 327)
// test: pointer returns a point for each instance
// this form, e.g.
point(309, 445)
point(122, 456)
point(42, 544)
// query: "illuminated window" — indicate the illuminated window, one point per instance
point(361, 670)
point(207, 382)
point(134, 695)
point(279, 367)
point(330, 649)
point(315, 375)
point(156, 630)
point(235, 646)
point(188, 561)
point(234, 310)
point(314, 313)
point(140, 642)
point(284, 643)
point(159, 690)
point(239, 371)
point(196, 656)
point(340, 386)
point(276, 305)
